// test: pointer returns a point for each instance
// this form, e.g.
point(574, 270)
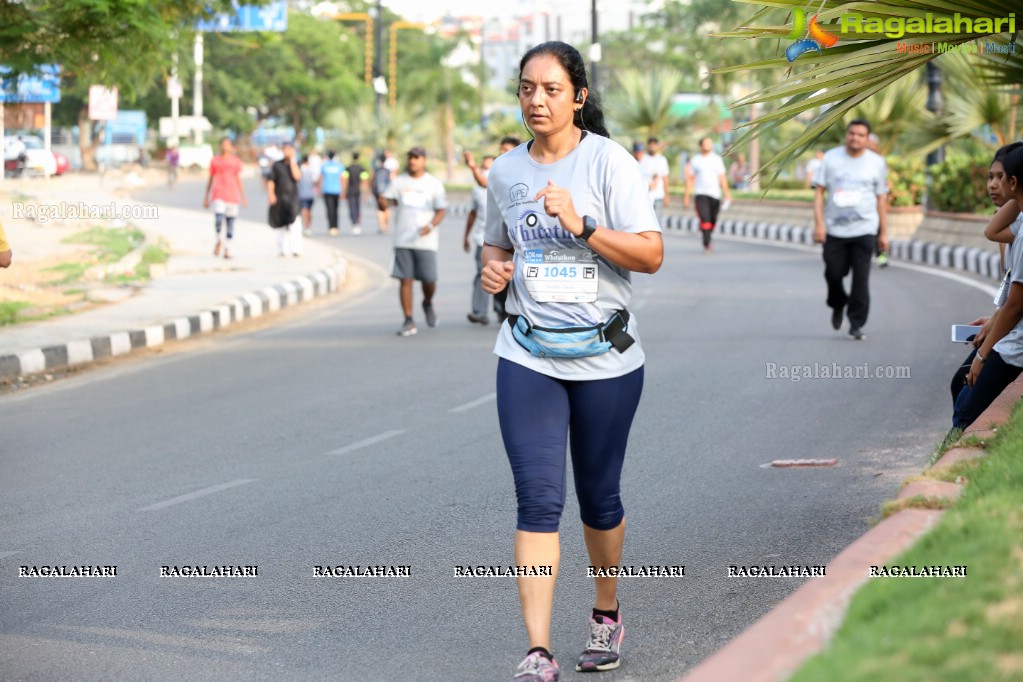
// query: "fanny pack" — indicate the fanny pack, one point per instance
point(573, 342)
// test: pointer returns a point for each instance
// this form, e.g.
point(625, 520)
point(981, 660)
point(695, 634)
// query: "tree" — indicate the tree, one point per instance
point(122, 43)
point(839, 78)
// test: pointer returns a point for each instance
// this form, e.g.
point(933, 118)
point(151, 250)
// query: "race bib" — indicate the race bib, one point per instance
point(560, 275)
point(846, 198)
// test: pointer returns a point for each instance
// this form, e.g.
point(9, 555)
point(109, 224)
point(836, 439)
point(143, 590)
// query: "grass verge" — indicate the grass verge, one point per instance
point(946, 629)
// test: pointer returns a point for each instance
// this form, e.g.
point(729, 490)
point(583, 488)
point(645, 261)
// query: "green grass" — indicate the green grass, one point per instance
point(72, 272)
point(9, 311)
point(152, 255)
point(946, 629)
point(111, 244)
point(804, 195)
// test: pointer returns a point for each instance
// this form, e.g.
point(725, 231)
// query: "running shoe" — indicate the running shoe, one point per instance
point(836, 318)
point(603, 650)
point(356, 230)
point(537, 668)
point(408, 329)
point(307, 232)
point(431, 315)
point(333, 231)
point(478, 319)
point(857, 333)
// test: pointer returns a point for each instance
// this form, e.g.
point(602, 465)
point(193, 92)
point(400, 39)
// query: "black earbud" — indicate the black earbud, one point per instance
point(578, 95)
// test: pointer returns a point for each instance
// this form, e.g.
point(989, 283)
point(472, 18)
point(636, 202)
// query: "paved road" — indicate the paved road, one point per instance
point(326, 439)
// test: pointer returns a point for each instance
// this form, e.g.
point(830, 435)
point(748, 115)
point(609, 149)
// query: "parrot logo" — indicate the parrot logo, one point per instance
point(818, 37)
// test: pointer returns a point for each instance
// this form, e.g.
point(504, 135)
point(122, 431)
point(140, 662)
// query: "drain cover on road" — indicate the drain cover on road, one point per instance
point(789, 463)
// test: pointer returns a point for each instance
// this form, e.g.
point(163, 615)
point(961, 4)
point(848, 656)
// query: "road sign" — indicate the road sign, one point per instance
point(186, 125)
point(42, 88)
point(270, 17)
point(174, 88)
point(102, 103)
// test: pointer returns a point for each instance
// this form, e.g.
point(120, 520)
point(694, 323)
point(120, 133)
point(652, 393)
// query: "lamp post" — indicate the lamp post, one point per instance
point(362, 16)
point(934, 103)
point(377, 70)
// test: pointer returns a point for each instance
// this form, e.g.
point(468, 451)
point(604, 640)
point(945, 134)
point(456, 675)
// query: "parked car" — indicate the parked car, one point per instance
point(37, 160)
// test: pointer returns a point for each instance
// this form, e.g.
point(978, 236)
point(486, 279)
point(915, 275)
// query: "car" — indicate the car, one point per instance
point(37, 159)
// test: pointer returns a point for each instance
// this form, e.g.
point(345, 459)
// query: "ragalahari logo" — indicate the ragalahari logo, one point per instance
point(809, 38)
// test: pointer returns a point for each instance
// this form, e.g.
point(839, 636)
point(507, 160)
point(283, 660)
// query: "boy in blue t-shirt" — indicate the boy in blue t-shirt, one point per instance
point(331, 173)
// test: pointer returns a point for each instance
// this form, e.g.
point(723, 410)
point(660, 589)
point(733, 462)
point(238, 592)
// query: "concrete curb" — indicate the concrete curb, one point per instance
point(247, 306)
point(774, 647)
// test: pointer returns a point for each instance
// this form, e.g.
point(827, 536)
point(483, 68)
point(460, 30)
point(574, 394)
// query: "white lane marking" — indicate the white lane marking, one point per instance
point(475, 403)
point(198, 493)
point(372, 440)
point(4, 555)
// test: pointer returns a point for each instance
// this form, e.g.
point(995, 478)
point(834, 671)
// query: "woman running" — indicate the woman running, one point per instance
point(568, 219)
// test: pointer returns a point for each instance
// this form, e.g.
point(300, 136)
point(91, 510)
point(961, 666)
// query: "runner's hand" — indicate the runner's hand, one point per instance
point(206, 202)
point(558, 204)
point(495, 275)
point(819, 234)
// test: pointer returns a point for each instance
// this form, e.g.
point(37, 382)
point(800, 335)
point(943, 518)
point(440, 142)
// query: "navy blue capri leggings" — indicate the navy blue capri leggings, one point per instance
point(538, 415)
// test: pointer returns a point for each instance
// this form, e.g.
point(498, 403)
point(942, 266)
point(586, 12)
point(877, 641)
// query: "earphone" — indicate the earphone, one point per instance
point(578, 95)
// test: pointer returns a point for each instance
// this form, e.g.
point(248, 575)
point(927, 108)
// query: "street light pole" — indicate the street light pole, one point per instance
point(377, 72)
point(934, 105)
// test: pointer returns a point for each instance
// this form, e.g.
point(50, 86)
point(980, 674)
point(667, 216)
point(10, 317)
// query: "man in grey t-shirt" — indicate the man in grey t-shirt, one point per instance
point(851, 220)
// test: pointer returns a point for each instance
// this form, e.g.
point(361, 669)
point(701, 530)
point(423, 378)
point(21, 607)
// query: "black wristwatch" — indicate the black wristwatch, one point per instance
point(589, 227)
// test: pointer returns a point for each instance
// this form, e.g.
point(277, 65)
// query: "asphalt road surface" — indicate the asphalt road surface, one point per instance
point(325, 439)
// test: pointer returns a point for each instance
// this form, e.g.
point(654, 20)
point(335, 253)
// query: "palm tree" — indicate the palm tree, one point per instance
point(840, 78)
point(641, 104)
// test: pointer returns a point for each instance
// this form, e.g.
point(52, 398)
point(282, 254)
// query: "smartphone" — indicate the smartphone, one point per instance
point(961, 333)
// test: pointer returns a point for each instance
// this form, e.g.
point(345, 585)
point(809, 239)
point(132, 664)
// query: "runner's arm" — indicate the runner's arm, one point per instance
point(998, 229)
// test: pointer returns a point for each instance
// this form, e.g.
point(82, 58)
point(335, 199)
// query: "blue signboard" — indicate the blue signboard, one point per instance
point(270, 17)
point(128, 128)
point(44, 87)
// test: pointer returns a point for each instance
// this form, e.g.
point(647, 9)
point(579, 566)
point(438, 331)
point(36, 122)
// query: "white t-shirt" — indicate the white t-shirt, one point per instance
point(479, 204)
point(605, 183)
point(812, 166)
point(653, 167)
point(707, 170)
point(391, 164)
point(418, 199)
point(853, 184)
point(1010, 347)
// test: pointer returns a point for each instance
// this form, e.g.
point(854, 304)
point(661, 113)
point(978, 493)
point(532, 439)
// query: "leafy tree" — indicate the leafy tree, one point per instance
point(838, 79)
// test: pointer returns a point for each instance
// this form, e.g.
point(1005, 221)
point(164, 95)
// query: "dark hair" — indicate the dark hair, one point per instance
point(330, 153)
point(700, 143)
point(1013, 163)
point(652, 140)
point(1004, 151)
point(859, 122)
point(591, 116)
point(489, 156)
point(355, 156)
point(511, 139)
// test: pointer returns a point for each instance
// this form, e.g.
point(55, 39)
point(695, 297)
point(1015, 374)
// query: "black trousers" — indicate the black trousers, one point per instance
point(331, 201)
point(842, 255)
point(707, 208)
point(355, 207)
point(994, 377)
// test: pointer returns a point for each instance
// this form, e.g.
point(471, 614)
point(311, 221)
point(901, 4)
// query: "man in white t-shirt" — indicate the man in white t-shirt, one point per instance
point(812, 166)
point(851, 221)
point(654, 169)
point(475, 225)
point(421, 204)
point(707, 179)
